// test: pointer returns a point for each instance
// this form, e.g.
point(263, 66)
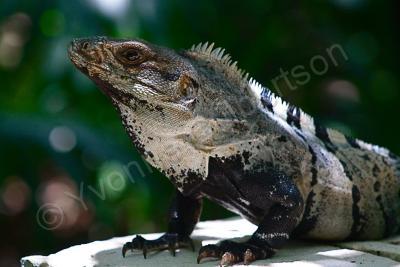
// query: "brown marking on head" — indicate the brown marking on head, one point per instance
point(137, 70)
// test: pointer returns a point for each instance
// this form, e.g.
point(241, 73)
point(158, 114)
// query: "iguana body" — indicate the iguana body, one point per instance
point(217, 134)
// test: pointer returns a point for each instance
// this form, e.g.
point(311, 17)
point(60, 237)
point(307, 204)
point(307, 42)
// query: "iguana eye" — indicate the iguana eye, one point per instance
point(130, 56)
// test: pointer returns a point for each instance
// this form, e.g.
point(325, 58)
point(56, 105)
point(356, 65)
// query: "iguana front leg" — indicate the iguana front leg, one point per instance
point(279, 196)
point(183, 216)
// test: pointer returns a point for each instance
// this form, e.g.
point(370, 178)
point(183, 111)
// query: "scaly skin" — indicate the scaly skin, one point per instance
point(214, 133)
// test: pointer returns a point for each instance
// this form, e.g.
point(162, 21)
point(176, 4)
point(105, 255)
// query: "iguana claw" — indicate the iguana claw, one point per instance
point(230, 252)
point(170, 241)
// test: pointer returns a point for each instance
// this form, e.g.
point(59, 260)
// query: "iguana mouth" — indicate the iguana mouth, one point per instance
point(91, 68)
point(83, 61)
point(77, 59)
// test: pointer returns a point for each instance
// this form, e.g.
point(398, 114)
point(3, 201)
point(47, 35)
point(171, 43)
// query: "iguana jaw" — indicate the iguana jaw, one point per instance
point(90, 67)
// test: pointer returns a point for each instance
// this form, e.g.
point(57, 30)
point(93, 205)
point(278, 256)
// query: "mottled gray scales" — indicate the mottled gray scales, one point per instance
point(216, 133)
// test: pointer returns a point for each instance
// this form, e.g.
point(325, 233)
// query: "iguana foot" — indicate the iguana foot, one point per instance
point(230, 252)
point(170, 241)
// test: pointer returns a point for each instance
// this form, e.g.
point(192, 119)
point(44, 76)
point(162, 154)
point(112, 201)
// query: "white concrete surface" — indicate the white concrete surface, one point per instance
point(296, 253)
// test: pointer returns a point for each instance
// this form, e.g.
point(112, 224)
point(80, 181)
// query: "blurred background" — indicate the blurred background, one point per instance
point(68, 172)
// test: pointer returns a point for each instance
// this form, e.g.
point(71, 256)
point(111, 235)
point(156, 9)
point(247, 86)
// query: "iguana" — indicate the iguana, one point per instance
point(217, 134)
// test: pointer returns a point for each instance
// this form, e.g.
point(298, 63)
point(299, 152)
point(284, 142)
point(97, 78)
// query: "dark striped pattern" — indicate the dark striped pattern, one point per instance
point(356, 214)
point(314, 172)
point(322, 133)
point(266, 100)
point(384, 214)
point(309, 220)
point(348, 173)
point(293, 116)
point(352, 141)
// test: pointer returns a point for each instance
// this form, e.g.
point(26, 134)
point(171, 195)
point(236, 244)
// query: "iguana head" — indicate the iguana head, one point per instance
point(129, 70)
point(169, 101)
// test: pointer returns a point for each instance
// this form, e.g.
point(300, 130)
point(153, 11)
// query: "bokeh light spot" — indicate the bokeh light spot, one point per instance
point(112, 178)
point(62, 139)
point(59, 206)
point(14, 33)
point(16, 195)
point(344, 90)
point(111, 8)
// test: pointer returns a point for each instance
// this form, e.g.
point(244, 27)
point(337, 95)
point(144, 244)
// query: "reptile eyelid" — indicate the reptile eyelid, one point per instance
point(121, 54)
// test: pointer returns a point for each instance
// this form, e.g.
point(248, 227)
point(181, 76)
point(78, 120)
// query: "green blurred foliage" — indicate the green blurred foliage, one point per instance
point(59, 135)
